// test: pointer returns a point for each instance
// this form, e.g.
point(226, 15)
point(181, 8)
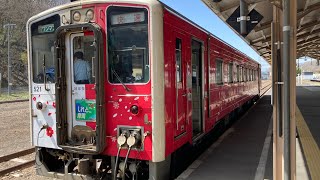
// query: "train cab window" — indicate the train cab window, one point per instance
point(219, 72)
point(42, 37)
point(128, 45)
point(178, 60)
point(230, 73)
point(238, 73)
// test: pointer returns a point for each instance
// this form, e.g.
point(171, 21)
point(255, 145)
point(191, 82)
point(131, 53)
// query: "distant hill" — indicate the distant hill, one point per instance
point(310, 66)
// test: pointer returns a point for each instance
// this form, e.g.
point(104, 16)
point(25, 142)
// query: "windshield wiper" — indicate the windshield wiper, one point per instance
point(119, 79)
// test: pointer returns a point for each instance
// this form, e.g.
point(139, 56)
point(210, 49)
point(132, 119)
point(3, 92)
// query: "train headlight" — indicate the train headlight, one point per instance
point(89, 15)
point(134, 109)
point(41, 105)
point(76, 16)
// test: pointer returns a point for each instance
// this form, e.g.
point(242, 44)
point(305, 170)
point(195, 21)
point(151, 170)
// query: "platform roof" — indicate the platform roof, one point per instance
point(308, 24)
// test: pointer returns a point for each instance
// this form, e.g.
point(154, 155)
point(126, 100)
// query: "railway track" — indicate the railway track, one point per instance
point(20, 165)
point(265, 86)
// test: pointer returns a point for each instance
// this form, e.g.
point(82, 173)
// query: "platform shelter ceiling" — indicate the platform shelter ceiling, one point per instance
point(308, 24)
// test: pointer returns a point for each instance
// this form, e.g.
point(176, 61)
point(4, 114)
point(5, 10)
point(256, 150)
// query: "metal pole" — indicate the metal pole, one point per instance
point(0, 82)
point(9, 26)
point(287, 29)
point(243, 17)
point(9, 62)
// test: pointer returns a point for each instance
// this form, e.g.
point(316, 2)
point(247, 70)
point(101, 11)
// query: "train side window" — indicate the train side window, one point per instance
point(251, 74)
point(244, 75)
point(255, 75)
point(230, 75)
point(178, 60)
point(241, 72)
point(238, 73)
point(219, 72)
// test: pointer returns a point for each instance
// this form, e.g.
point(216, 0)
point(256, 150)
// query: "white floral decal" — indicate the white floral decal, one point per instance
point(130, 118)
point(115, 115)
point(114, 139)
point(146, 98)
point(136, 98)
point(116, 105)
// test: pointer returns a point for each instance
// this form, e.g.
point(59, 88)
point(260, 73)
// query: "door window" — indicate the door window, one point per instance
point(83, 60)
point(178, 60)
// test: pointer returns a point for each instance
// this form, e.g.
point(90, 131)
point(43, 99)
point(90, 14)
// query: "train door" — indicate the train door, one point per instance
point(82, 85)
point(180, 83)
point(79, 88)
point(197, 81)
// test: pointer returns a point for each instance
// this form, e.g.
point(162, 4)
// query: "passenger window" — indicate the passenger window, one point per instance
point(238, 73)
point(251, 74)
point(230, 73)
point(219, 72)
point(178, 60)
point(244, 75)
point(241, 74)
point(255, 75)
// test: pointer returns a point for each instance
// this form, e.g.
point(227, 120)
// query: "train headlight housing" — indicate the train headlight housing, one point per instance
point(41, 105)
point(76, 16)
point(89, 15)
point(134, 109)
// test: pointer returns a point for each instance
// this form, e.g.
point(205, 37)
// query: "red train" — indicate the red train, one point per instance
point(118, 87)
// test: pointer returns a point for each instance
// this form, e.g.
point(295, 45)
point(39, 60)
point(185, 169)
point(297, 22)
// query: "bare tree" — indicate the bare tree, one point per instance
point(18, 12)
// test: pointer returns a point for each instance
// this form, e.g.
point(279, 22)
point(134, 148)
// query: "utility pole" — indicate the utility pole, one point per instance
point(9, 28)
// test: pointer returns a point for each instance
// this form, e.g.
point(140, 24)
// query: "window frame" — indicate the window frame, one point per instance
point(230, 73)
point(221, 70)
point(180, 64)
point(147, 61)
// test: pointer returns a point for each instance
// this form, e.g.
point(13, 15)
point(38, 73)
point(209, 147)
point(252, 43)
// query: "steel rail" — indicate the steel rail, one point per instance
point(16, 167)
point(20, 166)
point(16, 154)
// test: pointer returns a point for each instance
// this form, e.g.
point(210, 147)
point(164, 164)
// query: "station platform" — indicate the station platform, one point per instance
point(245, 150)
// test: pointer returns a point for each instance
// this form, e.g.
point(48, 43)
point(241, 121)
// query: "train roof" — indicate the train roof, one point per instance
point(85, 2)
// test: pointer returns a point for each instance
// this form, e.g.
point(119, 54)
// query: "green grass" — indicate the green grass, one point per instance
point(14, 96)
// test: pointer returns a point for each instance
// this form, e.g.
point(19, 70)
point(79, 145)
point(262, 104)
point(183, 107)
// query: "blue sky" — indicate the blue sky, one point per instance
point(199, 13)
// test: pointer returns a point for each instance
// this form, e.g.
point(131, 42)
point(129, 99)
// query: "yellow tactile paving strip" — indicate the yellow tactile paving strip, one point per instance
point(309, 146)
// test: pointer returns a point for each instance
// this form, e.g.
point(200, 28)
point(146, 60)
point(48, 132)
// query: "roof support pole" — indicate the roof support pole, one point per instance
point(243, 17)
point(289, 57)
point(276, 48)
point(286, 68)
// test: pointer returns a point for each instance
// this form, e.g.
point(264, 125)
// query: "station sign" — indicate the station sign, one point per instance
point(253, 18)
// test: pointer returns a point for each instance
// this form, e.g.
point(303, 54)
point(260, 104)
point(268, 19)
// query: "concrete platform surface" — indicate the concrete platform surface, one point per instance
point(245, 151)
point(241, 152)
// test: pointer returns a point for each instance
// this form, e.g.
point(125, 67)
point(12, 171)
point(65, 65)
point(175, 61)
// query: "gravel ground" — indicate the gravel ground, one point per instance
point(28, 173)
point(14, 127)
point(15, 136)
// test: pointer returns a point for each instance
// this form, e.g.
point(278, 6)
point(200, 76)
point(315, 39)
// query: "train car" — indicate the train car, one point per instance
point(118, 87)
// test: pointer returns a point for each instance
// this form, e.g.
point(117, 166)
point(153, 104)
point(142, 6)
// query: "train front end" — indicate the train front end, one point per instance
point(97, 90)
